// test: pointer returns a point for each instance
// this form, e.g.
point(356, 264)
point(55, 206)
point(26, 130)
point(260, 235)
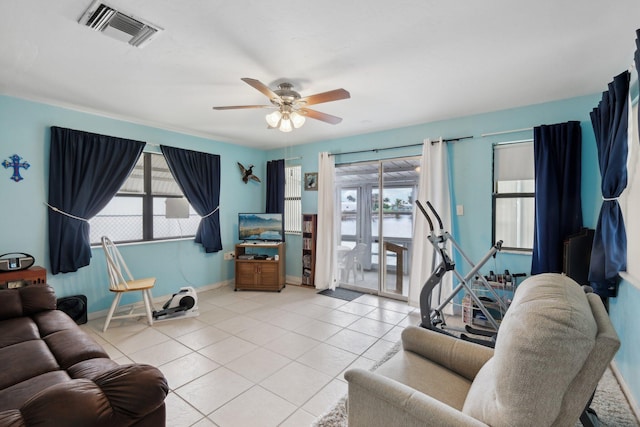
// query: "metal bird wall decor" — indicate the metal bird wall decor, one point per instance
point(247, 173)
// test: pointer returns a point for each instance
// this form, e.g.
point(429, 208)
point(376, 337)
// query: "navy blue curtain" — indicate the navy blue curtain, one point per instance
point(610, 123)
point(198, 175)
point(558, 203)
point(275, 186)
point(85, 171)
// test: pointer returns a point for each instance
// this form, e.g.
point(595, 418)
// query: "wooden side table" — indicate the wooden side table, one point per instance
point(31, 276)
point(260, 274)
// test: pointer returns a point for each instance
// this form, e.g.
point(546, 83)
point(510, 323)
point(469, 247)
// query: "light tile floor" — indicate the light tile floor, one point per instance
point(259, 358)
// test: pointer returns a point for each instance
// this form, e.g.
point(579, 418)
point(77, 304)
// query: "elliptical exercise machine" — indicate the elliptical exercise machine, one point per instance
point(433, 318)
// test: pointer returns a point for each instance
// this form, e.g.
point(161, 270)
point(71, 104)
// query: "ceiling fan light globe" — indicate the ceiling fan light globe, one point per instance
point(297, 119)
point(285, 125)
point(274, 118)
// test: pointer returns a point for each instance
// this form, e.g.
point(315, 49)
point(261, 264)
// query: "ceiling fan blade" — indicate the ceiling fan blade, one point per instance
point(328, 118)
point(240, 107)
point(319, 98)
point(256, 84)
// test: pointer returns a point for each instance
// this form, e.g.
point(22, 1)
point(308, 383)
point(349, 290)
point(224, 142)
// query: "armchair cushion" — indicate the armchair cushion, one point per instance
point(436, 364)
point(381, 401)
point(544, 341)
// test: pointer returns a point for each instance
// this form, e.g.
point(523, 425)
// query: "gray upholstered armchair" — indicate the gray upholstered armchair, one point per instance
point(554, 344)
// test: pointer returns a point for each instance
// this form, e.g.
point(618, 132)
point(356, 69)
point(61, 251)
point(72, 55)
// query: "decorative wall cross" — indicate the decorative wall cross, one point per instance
point(16, 165)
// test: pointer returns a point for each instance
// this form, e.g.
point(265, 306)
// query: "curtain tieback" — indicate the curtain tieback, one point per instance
point(212, 212)
point(609, 199)
point(53, 208)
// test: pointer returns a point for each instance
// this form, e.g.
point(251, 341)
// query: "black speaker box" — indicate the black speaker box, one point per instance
point(75, 307)
point(577, 256)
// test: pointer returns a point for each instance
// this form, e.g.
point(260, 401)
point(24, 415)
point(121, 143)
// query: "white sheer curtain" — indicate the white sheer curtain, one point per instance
point(433, 186)
point(326, 265)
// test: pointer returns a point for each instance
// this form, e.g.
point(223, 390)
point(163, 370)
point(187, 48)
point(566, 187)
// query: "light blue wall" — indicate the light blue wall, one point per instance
point(471, 163)
point(24, 130)
point(625, 318)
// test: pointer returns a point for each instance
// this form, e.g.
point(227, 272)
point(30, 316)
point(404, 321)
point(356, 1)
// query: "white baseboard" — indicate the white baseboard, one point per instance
point(294, 280)
point(157, 300)
point(626, 391)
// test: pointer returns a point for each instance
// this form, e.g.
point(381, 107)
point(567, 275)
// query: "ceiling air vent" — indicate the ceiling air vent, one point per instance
point(104, 18)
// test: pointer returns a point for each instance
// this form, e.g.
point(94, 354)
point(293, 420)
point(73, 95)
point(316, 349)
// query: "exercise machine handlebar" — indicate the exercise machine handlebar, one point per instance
point(426, 215)
point(436, 214)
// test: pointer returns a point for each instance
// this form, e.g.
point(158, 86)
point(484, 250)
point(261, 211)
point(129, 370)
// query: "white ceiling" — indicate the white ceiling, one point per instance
point(404, 62)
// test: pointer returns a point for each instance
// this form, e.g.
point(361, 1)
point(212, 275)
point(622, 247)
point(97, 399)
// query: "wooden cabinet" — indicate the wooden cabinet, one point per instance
point(309, 231)
point(31, 276)
point(256, 274)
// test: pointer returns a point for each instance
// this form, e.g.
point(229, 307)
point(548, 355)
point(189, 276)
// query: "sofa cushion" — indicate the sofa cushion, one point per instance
point(73, 346)
point(91, 368)
point(27, 360)
point(16, 395)
point(26, 301)
point(53, 321)
point(37, 298)
point(17, 330)
point(543, 342)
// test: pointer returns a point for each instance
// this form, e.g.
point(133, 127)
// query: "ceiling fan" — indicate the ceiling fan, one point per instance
point(290, 107)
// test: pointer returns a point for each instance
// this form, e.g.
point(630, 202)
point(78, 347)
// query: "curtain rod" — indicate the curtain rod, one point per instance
point(505, 131)
point(375, 150)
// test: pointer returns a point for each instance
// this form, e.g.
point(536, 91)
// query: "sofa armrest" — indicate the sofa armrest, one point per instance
point(375, 400)
point(11, 418)
point(463, 357)
point(119, 397)
point(133, 389)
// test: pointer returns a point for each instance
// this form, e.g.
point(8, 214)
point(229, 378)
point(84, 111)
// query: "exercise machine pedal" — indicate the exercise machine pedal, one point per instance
point(486, 343)
point(481, 332)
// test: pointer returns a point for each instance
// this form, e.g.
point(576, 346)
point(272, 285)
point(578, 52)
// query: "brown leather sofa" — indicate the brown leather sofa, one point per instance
point(52, 373)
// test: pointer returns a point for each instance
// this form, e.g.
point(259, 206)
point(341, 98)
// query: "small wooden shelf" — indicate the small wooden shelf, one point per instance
point(309, 231)
point(31, 276)
point(260, 274)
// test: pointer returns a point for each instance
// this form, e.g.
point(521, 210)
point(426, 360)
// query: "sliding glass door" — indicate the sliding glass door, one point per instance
point(376, 217)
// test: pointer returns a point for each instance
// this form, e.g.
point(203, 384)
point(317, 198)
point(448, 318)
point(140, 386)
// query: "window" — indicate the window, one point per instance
point(513, 195)
point(293, 200)
point(148, 206)
point(630, 201)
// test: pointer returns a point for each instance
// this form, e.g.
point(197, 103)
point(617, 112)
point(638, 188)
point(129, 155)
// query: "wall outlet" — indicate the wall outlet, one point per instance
point(228, 256)
point(459, 210)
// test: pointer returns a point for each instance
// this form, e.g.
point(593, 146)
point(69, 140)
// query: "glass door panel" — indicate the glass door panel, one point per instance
point(376, 225)
point(398, 194)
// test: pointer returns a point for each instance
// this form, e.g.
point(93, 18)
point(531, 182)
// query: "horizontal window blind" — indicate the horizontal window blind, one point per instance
point(293, 200)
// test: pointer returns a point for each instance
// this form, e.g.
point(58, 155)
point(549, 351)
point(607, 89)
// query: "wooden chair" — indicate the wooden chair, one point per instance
point(119, 284)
